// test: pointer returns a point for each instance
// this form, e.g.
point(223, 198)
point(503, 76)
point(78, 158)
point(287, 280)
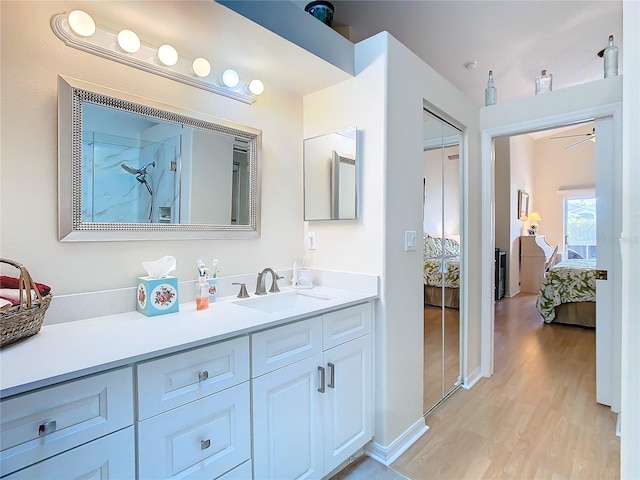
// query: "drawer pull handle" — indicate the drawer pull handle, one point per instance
point(321, 370)
point(332, 375)
point(203, 375)
point(46, 428)
point(204, 444)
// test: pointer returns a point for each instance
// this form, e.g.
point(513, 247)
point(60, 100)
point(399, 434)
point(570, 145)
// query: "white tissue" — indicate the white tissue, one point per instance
point(160, 268)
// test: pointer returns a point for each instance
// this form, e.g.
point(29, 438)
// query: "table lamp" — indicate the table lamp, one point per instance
point(534, 218)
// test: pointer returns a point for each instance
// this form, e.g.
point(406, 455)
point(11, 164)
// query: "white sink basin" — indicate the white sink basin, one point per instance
point(277, 302)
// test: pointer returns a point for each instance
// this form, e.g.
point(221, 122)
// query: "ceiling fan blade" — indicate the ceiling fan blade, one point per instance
point(578, 143)
point(568, 136)
point(590, 134)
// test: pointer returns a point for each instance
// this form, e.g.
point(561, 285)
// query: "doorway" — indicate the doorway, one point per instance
point(607, 120)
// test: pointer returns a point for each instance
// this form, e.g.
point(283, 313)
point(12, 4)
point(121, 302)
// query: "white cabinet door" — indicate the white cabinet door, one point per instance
point(287, 433)
point(348, 419)
point(108, 458)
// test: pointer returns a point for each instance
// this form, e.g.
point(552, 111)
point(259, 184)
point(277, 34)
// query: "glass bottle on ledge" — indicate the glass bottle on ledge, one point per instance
point(544, 82)
point(610, 59)
point(490, 93)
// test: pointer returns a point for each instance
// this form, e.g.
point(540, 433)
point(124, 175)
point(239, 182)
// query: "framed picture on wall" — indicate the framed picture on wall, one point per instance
point(523, 205)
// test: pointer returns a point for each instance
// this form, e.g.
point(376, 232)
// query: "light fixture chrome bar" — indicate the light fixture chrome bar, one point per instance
point(104, 44)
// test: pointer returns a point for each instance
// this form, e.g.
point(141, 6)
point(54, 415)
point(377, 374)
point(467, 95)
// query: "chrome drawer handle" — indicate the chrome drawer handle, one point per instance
point(321, 370)
point(204, 444)
point(203, 375)
point(46, 428)
point(332, 375)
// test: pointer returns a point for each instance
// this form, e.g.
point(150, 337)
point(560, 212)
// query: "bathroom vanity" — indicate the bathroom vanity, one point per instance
point(278, 386)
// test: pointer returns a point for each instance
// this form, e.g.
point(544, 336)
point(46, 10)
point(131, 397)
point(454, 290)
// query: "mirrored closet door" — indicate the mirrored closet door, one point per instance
point(442, 227)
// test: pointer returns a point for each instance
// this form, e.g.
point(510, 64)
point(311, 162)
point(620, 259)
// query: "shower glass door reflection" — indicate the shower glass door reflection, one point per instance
point(442, 226)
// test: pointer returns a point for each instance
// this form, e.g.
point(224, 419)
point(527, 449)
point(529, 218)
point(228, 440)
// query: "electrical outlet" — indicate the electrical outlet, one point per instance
point(313, 244)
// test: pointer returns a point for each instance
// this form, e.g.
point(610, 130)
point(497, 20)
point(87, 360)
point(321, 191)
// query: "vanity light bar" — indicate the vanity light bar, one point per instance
point(104, 43)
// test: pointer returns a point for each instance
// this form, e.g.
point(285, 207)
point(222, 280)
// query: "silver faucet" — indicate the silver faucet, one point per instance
point(260, 286)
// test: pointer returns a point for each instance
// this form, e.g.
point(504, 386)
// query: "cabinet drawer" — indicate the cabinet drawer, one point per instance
point(202, 439)
point(177, 379)
point(277, 347)
point(43, 423)
point(344, 325)
point(241, 472)
point(111, 457)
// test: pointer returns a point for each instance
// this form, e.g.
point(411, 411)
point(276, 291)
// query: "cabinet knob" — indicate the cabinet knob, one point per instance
point(203, 375)
point(46, 428)
point(204, 444)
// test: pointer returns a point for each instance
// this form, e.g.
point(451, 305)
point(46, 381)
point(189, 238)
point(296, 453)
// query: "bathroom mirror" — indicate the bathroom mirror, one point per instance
point(331, 176)
point(134, 169)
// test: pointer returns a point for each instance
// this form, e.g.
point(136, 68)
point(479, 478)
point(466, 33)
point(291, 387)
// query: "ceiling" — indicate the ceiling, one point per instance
point(515, 39)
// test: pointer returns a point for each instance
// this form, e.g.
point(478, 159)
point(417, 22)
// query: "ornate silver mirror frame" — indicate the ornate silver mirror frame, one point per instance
point(72, 94)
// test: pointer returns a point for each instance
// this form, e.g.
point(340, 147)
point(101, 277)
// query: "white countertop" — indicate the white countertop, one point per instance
point(69, 350)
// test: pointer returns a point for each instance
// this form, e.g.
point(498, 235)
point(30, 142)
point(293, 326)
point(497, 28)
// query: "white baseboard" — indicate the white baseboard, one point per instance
point(472, 379)
point(387, 455)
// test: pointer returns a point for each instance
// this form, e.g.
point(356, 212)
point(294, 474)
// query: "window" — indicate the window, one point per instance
point(580, 227)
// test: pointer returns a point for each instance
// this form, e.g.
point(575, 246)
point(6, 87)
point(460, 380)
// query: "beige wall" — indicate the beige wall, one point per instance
point(32, 57)
point(556, 168)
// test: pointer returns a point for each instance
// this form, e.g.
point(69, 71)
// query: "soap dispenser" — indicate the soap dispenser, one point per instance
point(202, 288)
point(213, 282)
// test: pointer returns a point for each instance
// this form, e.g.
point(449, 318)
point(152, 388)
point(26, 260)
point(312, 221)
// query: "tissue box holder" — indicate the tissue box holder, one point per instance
point(157, 296)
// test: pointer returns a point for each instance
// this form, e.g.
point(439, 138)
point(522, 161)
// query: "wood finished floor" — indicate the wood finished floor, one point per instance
point(536, 417)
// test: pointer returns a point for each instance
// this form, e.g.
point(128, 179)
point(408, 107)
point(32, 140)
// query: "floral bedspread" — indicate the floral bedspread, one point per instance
point(433, 276)
point(568, 281)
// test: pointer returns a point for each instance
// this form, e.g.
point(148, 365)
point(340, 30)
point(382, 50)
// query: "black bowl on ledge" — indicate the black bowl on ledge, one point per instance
point(322, 10)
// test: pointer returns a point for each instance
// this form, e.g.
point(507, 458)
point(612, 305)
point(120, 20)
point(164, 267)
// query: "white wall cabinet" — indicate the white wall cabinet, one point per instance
point(311, 415)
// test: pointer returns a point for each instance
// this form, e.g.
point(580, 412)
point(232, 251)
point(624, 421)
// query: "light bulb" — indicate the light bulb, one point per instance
point(230, 78)
point(81, 23)
point(201, 67)
point(256, 86)
point(128, 41)
point(168, 55)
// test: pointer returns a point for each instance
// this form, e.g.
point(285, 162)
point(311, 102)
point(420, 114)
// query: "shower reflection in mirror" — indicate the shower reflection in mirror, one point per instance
point(138, 169)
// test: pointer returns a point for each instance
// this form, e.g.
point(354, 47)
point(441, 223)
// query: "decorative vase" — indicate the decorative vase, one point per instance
point(322, 10)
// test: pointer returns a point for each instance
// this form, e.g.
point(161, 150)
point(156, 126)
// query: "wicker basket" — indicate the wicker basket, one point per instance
point(25, 319)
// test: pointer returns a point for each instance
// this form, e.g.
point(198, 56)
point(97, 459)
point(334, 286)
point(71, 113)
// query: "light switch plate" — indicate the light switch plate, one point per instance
point(409, 241)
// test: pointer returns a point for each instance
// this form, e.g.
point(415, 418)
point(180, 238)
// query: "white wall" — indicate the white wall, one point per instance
point(556, 168)
point(503, 207)
point(521, 173)
point(211, 177)
point(410, 83)
point(32, 57)
point(630, 244)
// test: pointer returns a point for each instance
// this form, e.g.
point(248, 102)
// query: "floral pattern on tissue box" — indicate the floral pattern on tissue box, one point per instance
point(157, 296)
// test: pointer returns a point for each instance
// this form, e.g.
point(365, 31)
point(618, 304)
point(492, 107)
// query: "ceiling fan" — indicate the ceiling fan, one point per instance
point(589, 136)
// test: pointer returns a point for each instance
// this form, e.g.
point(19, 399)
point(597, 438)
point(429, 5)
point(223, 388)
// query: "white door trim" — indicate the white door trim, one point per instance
point(487, 218)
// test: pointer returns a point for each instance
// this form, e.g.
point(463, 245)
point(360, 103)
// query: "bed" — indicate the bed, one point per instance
point(568, 293)
point(441, 267)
